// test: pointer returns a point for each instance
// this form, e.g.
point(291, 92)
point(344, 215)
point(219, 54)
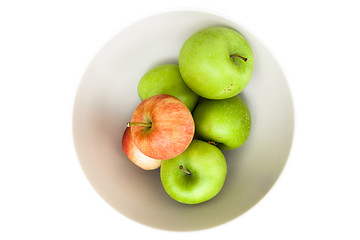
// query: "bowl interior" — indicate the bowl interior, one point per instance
point(107, 97)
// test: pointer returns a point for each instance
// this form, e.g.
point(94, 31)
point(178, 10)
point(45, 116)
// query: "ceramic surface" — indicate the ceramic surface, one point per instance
point(107, 97)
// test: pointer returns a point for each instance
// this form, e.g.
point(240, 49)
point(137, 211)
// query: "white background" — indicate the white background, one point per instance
point(45, 47)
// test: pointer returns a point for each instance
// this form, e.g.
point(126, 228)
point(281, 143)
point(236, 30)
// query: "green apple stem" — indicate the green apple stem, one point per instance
point(184, 170)
point(235, 55)
point(130, 124)
point(212, 143)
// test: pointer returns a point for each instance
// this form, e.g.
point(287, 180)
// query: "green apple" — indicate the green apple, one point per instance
point(226, 123)
point(216, 62)
point(196, 175)
point(166, 79)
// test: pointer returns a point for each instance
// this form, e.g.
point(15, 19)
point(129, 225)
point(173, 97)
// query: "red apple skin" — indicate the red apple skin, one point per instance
point(172, 127)
point(134, 154)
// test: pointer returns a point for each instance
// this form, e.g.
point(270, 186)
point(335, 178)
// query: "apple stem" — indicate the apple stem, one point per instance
point(130, 124)
point(235, 55)
point(212, 143)
point(184, 170)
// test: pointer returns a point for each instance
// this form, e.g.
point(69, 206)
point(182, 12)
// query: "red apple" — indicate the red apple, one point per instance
point(134, 154)
point(162, 127)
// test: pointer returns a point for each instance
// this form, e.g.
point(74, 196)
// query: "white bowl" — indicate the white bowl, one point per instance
point(107, 97)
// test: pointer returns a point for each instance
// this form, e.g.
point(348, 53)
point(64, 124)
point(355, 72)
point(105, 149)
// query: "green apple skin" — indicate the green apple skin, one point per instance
point(166, 79)
point(210, 65)
point(208, 169)
point(226, 122)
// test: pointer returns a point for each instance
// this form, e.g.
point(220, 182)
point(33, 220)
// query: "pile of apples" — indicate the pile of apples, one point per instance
point(191, 112)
